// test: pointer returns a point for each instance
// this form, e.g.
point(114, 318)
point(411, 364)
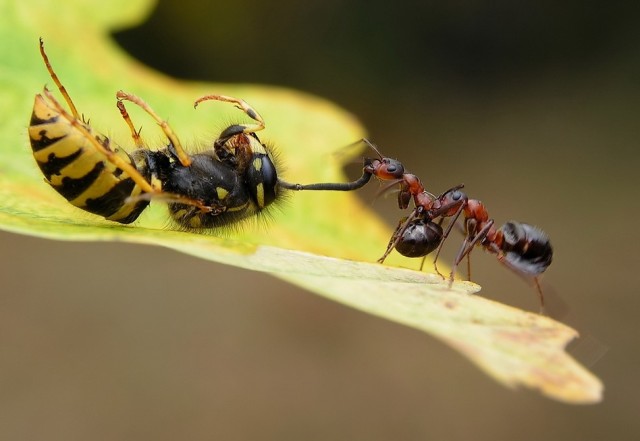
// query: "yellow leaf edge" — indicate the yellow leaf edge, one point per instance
point(515, 347)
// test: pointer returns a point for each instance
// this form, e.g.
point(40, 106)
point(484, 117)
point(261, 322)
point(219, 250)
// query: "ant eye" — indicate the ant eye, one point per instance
point(394, 167)
point(456, 195)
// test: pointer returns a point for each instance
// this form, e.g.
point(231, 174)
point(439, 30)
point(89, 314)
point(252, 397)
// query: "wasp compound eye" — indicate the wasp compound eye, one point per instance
point(261, 180)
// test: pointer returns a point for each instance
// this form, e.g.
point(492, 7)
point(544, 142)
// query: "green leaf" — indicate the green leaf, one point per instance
point(513, 346)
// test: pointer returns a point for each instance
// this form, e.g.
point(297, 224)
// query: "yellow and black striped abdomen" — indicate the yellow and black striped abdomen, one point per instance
point(74, 167)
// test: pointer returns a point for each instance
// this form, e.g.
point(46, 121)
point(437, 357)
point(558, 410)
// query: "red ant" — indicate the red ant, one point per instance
point(523, 248)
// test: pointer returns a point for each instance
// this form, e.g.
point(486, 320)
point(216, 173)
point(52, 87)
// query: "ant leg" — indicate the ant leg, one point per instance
point(424, 259)
point(435, 259)
point(135, 134)
point(109, 154)
point(183, 157)
point(56, 80)
point(469, 242)
point(385, 188)
point(540, 295)
point(501, 258)
point(397, 234)
point(439, 212)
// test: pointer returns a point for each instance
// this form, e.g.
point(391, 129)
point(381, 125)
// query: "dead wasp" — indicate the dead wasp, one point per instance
point(235, 179)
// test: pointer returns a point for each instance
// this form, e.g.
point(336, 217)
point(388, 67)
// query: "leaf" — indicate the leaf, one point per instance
point(513, 346)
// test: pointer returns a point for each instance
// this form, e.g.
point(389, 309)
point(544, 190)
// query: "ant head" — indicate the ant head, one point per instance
point(383, 168)
point(391, 169)
point(453, 195)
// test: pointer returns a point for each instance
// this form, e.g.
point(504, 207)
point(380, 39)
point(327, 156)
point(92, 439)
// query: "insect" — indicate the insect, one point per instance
point(523, 248)
point(237, 178)
point(234, 179)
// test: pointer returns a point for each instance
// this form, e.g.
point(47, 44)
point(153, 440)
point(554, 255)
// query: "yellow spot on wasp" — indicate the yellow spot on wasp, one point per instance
point(222, 193)
point(260, 194)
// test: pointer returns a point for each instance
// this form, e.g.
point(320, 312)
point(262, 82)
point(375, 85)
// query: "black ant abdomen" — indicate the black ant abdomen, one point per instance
point(419, 238)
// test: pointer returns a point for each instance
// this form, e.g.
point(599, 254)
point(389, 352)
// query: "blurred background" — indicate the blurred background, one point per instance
point(533, 105)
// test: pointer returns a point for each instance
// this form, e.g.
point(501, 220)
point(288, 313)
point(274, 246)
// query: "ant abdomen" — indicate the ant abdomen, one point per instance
point(526, 248)
point(420, 237)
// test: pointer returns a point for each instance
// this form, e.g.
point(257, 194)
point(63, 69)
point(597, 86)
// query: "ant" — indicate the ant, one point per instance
point(521, 247)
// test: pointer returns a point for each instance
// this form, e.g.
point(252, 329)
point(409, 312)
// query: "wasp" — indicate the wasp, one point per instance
point(234, 179)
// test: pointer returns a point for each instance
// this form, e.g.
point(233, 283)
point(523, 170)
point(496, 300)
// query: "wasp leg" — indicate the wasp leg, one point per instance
point(135, 134)
point(235, 153)
point(235, 129)
point(56, 80)
point(109, 154)
point(183, 157)
point(178, 199)
point(148, 191)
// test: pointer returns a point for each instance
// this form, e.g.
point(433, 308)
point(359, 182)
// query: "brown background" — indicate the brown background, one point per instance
point(534, 106)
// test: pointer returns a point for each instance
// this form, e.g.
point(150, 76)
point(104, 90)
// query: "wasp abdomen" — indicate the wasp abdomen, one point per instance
point(76, 170)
